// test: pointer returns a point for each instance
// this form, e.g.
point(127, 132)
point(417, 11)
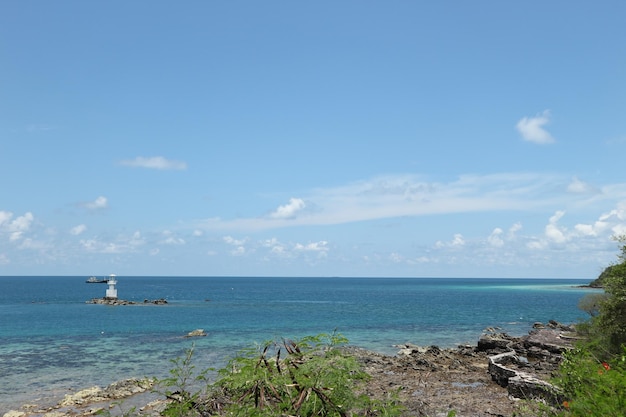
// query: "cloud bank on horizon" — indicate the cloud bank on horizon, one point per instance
point(412, 141)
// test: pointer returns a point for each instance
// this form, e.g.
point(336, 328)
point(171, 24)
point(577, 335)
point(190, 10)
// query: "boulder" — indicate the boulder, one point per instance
point(495, 341)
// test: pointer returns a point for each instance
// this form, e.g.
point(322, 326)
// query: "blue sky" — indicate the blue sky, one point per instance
point(351, 138)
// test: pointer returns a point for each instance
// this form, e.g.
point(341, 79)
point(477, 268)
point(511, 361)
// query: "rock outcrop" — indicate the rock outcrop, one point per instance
point(196, 333)
point(117, 390)
point(523, 364)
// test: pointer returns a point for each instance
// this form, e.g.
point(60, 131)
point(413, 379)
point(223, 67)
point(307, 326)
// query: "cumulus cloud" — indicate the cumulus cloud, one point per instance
point(98, 204)
point(77, 230)
point(235, 242)
point(5, 216)
point(612, 222)
point(591, 229)
point(321, 246)
point(170, 239)
point(396, 257)
point(514, 229)
point(495, 238)
point(121, 244)
point(239, 248)
point(457, 241)
point(15, 228)
point(154, 162)
point(289, 211)
point(275, 247)
point(532, 128)
point(552, 231)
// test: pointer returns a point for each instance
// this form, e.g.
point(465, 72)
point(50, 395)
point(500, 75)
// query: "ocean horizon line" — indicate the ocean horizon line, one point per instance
point(297, 277)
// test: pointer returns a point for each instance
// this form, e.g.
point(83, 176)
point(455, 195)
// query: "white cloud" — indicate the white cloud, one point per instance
point(321, 246)
point(239, 249)
point(613, 221)
point(591, 229)
point(275, 247)
point(531, 128)
point(235, 242)
point(553, 232)
point(289, 211)
point(457, 241)
point(155, 162)
point(98, 204)
point(96, 246)
point(17, 227)
point(495, 238)
point(121, 244)
point(77, 230)
point(514, 229)
point(170, 239)
point(409, 196)
point(396, 257)
point(5, 216)
point(580, 187)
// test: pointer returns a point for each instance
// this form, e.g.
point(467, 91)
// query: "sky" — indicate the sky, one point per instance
point(327, 138)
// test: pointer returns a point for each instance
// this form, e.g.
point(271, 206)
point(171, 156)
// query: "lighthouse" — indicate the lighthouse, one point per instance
point(111, 291)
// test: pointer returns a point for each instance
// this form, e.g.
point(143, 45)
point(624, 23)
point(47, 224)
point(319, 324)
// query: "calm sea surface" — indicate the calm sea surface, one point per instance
point(52, 342)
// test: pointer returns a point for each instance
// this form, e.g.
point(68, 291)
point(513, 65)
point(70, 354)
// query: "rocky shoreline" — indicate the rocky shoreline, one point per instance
point(488, 379)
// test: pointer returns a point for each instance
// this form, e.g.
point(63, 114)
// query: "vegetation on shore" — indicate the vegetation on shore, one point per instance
point(593, 375)
point(309, 377)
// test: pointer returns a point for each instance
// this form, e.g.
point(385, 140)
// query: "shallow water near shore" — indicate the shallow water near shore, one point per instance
point(53, 343)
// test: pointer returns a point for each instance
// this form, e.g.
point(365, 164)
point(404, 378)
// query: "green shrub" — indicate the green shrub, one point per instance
point(314, 378)
point(181, 387)
point(593, 376)
point(310, 377)
point(593, 387)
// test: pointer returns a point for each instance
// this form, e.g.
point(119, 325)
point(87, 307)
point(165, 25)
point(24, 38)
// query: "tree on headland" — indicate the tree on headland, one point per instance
point(610, 322)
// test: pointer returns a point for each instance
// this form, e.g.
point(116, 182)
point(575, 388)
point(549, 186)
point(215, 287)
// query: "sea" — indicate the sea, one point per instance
point(52, 342)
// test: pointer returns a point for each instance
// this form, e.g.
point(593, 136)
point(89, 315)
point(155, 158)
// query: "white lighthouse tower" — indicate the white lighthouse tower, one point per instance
point(111, 291)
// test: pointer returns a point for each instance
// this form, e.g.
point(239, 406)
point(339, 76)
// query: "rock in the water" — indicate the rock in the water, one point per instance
point(196, 333)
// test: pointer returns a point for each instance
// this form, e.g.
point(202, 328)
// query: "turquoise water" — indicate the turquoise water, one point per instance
point(51, 341)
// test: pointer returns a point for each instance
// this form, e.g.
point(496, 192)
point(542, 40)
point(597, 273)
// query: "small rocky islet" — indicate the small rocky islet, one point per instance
point(118, 302)
point(487, 379)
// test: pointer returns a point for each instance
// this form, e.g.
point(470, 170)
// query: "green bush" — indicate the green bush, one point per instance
point(593, 376)
point(315, 378)
point(181, 387)
point(593, 386)
point(310, 377)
